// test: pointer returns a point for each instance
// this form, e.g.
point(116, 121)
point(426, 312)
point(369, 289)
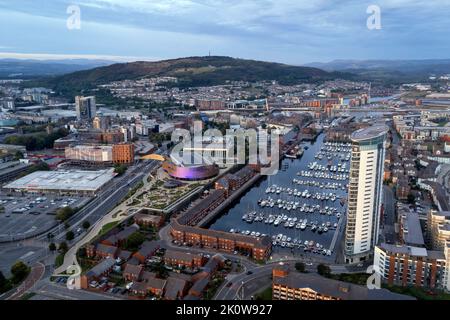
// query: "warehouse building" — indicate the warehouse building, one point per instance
point(63, 182)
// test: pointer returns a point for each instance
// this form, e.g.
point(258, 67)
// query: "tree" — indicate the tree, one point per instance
point(300, 267)
point(52, 247)
point(134, 241)
point(19, 272)
point(411, 198)
point(82, 252)
point(86, 225)
point(63, 247)
point(36, 141)
point(3, 282)
point(70, 235)
point(18, 155)
point(120, 169)
point(64, 213)
point(323, 270)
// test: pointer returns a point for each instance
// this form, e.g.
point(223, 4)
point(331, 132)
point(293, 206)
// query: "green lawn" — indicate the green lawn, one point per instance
point(59, 260)
point(213, 287)
point(108, 227)
point(355, 278)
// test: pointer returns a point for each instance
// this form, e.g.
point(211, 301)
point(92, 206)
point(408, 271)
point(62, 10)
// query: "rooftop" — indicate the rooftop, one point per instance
point(148, 248)
point(122, 235)
point(260, 243)
point(64, 180)
point(8, 167)
point(407, 250)
point(102, 267)
point(200, 206)
point(440, 194)
point(181, 255)
point(133, 269)
point(174, 288)
point(337, 289)
point(412, 230)
point(373, 132)
point(103, 248)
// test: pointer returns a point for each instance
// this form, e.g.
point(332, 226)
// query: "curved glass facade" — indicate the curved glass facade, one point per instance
point(191, 173)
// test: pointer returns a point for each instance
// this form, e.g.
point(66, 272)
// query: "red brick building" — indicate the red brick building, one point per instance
point(181, 258)
point(132, 273)
point(148, 220)
point(123, 153)
point(258, 248)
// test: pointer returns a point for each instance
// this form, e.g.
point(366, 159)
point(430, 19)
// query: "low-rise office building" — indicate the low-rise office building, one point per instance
point(97, 155)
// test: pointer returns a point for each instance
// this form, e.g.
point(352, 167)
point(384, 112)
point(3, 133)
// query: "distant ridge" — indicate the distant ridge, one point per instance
point(423, 67)
point(192, 72)
point(29, 68)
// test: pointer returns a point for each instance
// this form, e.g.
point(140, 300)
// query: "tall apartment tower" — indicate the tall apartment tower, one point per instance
point(85, 107)
point(365, 193)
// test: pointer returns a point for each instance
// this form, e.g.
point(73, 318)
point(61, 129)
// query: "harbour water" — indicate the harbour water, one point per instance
point(289, 189)
point(8, 122)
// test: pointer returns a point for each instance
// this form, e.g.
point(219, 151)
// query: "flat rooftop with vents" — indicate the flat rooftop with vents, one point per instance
point(76, 182)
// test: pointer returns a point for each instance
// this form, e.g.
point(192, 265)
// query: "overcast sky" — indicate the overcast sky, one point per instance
point(289, 31)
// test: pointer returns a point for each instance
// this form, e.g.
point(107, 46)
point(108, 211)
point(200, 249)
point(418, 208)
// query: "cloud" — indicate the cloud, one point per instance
point(49, 56)
point(283, 30)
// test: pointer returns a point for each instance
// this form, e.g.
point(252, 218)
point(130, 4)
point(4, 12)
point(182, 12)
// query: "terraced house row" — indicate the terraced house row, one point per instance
point(257, 248)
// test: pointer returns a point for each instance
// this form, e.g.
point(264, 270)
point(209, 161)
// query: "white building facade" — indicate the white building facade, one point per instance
point(365, 193)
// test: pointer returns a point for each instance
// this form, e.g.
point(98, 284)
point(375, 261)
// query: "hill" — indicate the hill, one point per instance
point(191, 72)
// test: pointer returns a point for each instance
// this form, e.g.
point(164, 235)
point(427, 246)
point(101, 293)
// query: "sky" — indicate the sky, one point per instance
point(288, 31)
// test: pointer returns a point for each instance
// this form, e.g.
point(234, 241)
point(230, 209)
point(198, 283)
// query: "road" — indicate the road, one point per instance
point(260, 276)
point(106, 200)
point(46, 290)
point(246, 285)
point(36, 249)
point(102, 218)
point(37, 271)
point(388, 231)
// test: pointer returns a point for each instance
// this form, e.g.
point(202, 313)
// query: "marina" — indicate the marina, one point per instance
point(302, 207)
